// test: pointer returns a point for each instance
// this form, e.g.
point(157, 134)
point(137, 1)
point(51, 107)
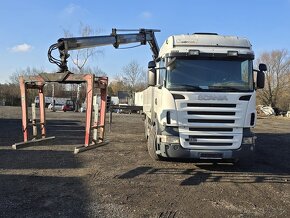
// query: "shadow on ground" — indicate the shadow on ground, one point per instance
point(272, 165)
point(41, 196)
point(67, 132)
point(39, 182)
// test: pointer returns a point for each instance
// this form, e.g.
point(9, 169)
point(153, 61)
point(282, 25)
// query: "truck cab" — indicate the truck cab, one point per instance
point(201, 98)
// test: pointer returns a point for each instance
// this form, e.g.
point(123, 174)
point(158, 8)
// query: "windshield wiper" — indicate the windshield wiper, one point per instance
point(225, 88)
point(185, 87)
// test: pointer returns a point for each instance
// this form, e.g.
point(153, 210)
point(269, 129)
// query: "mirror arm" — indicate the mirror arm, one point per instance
point(160, 68)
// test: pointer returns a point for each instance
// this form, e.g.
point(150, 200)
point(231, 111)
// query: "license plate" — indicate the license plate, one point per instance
point(211, 156)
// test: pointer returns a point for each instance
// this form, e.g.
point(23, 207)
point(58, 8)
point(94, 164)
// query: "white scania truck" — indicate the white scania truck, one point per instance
point(201, 98)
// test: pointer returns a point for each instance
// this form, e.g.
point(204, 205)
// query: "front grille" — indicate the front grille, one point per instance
point(211, 113)
point(205, 125)
point(210, 129)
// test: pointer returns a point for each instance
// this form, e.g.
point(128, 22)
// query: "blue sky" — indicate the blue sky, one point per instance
point(29, 27)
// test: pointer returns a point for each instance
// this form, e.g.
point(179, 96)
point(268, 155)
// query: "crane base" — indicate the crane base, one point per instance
point(31, 142)
point(89, 147)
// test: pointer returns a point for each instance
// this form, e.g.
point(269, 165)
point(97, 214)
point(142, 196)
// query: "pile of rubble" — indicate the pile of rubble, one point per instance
point(265, 111)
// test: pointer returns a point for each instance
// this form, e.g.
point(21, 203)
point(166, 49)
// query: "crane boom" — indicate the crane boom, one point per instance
point(66, 44)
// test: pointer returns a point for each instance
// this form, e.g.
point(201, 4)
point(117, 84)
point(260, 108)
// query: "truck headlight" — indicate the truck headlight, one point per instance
point(248, 140)
point(169, 139)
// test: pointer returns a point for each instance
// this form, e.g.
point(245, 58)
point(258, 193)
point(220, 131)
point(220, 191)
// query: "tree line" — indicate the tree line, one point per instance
point(132, 78)
point(276, 92)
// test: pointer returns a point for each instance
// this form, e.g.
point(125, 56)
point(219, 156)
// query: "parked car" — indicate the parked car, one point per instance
point(123, 109)
point(55, 107)
point(69, 106)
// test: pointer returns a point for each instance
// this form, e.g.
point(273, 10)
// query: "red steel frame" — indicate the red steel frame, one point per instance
point(23, 91)
point(38, 82)
point(42, 111)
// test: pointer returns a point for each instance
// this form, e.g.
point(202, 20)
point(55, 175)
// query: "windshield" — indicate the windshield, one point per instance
point(210, 75)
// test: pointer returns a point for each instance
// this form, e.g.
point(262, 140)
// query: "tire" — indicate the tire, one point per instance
point(152, 144)
point(146, 128)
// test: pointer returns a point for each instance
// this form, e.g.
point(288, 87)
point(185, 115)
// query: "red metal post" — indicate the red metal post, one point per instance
point(23, 93)
point(90, 93)
point(103, 113)
point(42, 111)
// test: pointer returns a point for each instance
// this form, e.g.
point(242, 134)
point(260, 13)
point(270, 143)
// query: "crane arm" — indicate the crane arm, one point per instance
point(66, 44)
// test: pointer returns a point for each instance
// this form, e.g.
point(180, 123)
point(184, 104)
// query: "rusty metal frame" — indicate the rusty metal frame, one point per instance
point(38, 82)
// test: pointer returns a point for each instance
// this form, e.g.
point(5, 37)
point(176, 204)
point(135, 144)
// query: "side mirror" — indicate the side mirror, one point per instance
point(262, 67)
point(152, 77)
point(260, 79)
point(151, 64)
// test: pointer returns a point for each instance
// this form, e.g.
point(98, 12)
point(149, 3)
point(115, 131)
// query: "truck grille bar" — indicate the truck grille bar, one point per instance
point(210, 124)
point(210, 113)
point(210, 105)
point(210, 144)
point(209, 121)
point(210, 129)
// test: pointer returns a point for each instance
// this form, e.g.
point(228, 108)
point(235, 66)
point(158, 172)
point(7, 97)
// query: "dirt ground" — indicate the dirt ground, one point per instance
point(120, 180)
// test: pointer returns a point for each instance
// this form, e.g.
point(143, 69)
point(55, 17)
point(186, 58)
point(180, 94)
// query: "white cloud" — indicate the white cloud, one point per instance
point(21, 48)
point(71, 8)
point(146, 15)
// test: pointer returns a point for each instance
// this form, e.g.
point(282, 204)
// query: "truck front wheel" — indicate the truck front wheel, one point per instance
point(146, 128)
point(152, 145)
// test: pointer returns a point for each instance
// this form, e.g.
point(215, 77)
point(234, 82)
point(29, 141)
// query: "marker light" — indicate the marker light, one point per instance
point(248, 140)
point(233, 53)
point(193, 52)
point(169, 139)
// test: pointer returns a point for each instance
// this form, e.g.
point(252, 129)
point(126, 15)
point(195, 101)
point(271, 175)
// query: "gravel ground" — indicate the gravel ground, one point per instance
point(120, 180)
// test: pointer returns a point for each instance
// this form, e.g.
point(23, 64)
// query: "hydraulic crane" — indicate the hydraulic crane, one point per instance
point(66, 44)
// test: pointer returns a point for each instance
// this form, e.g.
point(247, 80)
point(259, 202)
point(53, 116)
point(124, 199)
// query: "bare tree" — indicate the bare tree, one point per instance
point(11, 93)
point(28, 71)
point(80, 57)
point(134, 76)
point(117, 85)
point(277, 77)
point(95, 70)
point(132, 79)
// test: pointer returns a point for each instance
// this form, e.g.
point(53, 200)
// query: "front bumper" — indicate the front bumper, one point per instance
point(172, 150)
point(176, 151)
